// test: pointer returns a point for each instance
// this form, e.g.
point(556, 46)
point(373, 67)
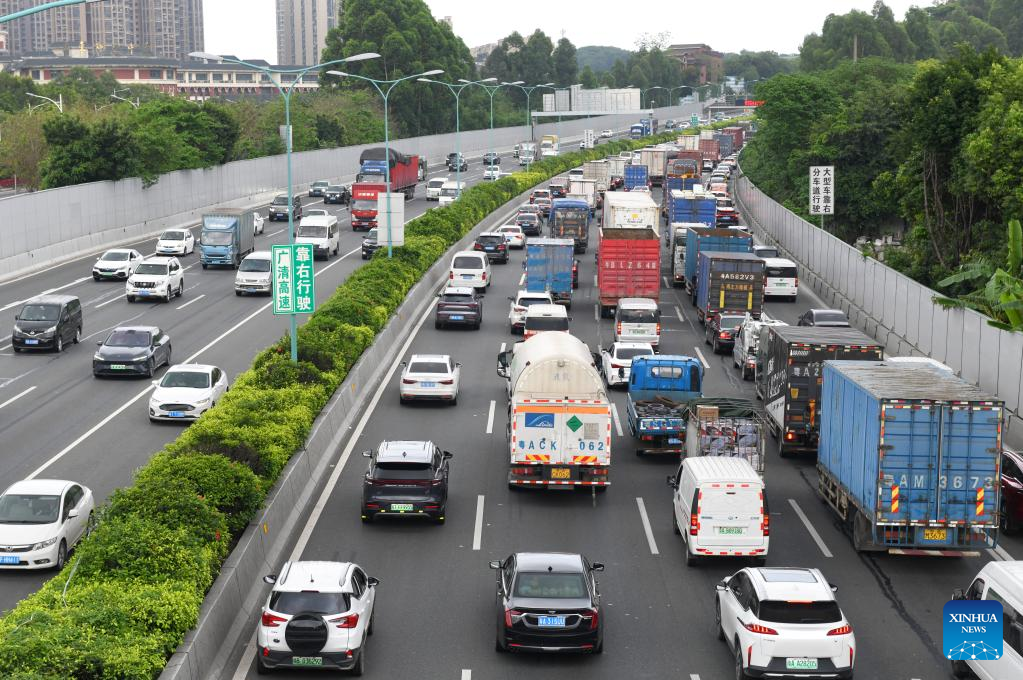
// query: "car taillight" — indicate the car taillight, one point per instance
point(484, 276)
point(522, 470)
point(757, 628)
point(841, 630)
point(511, 617)
point(271, 620)
point(724, 335)
point(594, 619)
point(502, 246)
point(618, 327)
point(694, 519)
point(658, 329)
point(408, 381)
point(446, 382)
point(519, 309)
point(477, 246)
point(614, 365)
point(346, 621)
point(765, 519)
point(451, 275)
point(789, 436)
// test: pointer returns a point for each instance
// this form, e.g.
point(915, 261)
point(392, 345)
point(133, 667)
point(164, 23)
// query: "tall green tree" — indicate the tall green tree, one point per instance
point(1007, 15)
point(566, 69)
point(80, 153)
point(12, 92)
point(588, 79)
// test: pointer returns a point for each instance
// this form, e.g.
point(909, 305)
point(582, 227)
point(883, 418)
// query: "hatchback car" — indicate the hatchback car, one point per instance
point(616, 360)
point(337, 193)
point(494, 244)
point(544, 204)
point(470, 268)
point(429, 377)
point(175, 242)
point(720, 331)
point(318, 615)
point(117, 263)
point(132, 350)
point(513, 236)
point(406, 479)
point(41, 520)
point(48, 322)
point(492, 173)
point(548, 602)
point(253, 275)
point(784, 622)
point(727, 217)
point(186, 391)
point(832, 318)
point(459, 307)
point(558, 189)
point(318, 188)
point(279, 208)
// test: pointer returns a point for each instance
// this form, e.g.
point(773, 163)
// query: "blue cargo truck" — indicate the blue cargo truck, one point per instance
point(660, 389)
point(636, 131)
point(691, 206)
point(549, 268)
point(570, 219)
point(636, 176)
point(226, 237)
point(909, 457)
point(718, 240)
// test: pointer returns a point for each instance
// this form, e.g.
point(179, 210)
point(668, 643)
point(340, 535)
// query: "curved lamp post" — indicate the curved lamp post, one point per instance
point(41, 8)
point(529, 91)
point(492, 90)
point(456, 89)
point(58, 102)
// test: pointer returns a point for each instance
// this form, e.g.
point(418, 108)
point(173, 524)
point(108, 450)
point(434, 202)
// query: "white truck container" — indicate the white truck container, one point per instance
point(527, 153)
point(599, 172)
point(630, 210)
point(584, 187)
point(654, 158)
point(559, 416)
point(707, 134)
point(616, 166)
point(688, 143)
point(550, 146)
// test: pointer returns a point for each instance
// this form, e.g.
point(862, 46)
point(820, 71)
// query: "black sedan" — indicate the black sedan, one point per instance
point(132, 350)
point(720, 331)
point(491, 158)
point(530, 223)
point(338, 193)
point(459, 307)
point(548, 602)
point(494, 245)
point(370, 244)
point(406, 479)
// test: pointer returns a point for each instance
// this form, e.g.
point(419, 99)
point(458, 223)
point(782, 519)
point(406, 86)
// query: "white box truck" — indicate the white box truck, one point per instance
point(630, 210)
point(581, 186)
point(599, 172)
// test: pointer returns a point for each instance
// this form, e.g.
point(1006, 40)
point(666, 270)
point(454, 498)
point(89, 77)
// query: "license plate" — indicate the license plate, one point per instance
point(801, 664)
point(9, 559)
point(551, 621)
point(307, 660)
point(490, 247)
point(457, 317)
point(467, 276)
point(31, 342)
point(428, 384)
point(674, 441)
point(144, 293)
point(118, 367)
point(561, 473)
point(177, 414)
point(731, 531)
point(251, 290)
point(401, 507)
point(935, 534)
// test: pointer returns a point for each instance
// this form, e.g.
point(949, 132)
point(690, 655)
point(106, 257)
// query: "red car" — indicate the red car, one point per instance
point(1012, 491)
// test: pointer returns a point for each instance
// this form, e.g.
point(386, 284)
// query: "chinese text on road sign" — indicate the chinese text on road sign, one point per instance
point(822, 189)
point(293, 278)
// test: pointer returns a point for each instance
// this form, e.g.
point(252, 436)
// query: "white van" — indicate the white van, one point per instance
point(1001, 582)
point(471, 269)
point(449, 192)
point(720, 508)
point(781, 279)
point(638, 320)
point(253, 275)
point(434, 187)
point(322, 232)
point(543, 318)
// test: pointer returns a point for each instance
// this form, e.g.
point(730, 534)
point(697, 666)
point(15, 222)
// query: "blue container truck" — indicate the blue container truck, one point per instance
point(636, 176)
point(909, 457)
point(649, 126)
point(718, 240)
point(549, 268)
point(690, 206)
point(226, 237)
point(729, 283)
point(660, 389)
point(636, 131)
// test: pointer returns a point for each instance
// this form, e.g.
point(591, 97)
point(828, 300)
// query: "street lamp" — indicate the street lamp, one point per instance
point(387, 143)
point(126, 89)
point(491, 90)
point(529, 112)
point(40, 8)
point(59, 102)
point(286, 93)
point(457, 91)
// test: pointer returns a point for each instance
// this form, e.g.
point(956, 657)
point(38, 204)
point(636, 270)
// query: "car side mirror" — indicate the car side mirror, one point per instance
point(373, 581)
point(834, 588)
point(72, 513)
point(722, 585)
point(448, 455)
point(510, 298)
point(270, 578)
point(99, 343)
point(156, 383)
point(671, 482)
point(958, 594)
point(597, 566)
point(17, 317)
point(495, 564)
point(367, 454)
point(404, 363)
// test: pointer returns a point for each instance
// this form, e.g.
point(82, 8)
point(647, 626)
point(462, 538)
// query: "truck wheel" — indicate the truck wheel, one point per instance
point(204, 265)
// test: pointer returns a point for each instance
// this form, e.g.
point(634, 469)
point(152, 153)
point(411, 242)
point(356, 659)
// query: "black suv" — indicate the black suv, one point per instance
point(494, 245)
point(720, 331)
point(530, 223)
point(548, 602)
point(491, 158)
point(459, 307)
point(279, 208)
point(406, 478)
point(457, 162)
point(338, 193)
point(370, 244)
point(48, 322)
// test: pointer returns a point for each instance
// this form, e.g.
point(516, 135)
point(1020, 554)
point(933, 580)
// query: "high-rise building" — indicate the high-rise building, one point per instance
point(302, 27)
point(165, 28)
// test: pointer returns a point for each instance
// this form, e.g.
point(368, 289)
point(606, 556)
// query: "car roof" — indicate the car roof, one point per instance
point(50, 300)
point(405, 451)
point(643, 303)
point(258, 255)
point(122, 250)
point(39, 486)
point(317, 220)
point(155, 259)
point(553, 561)
point(777, 261)
point(721, 469)
point(429, 357)
point(788, 583)
point(534, 293)
point(136, 329)
point(547, 310)
point(164, 231)
point(503, 227)
point(324, 577)
point(191, 368)
point(1010, 572)
point(633, 345)
point(458, 290)
point(438, 179)
point(474, 253)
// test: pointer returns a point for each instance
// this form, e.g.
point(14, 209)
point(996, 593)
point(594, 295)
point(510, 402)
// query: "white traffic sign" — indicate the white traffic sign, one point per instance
point(822, 189)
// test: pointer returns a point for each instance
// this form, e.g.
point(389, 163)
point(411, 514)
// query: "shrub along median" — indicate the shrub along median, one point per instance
point(134, 587)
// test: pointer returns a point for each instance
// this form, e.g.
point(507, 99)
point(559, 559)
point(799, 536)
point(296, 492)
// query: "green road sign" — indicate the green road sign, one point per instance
point(293, 278)
point(694, 119)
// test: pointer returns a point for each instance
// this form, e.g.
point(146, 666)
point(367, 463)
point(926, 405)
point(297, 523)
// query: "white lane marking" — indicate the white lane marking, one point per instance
point(522, 279)
point(466, 674)
point(490, 418)
point(679, 314)
point(274, 233)
point(998, 552)
point(618, 422)
point(13, 304)
point(104, 304)
point(594, 280)
point(66, 285)
point(477, 531)
point(503, 346)
point(19, 396)
point(666, 284)
point(596, 313)
point(703, 360)
point(809, 527)
point(694, 676)
point(119, 323)
point(646, 527)
point(195, 299)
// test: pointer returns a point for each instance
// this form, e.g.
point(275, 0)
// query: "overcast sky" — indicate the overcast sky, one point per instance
point(730, 26)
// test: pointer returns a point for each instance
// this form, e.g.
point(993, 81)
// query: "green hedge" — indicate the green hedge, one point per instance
point(137, 582)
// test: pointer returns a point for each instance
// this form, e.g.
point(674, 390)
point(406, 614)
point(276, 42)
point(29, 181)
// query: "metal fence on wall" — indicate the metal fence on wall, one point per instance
point(887, 305)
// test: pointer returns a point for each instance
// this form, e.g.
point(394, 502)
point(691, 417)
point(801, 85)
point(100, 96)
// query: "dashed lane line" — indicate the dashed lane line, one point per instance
point(810, 528)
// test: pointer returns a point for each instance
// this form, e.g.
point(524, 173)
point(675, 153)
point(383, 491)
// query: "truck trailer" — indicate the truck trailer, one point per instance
point(628, 265)
point(570, 219)
point(711, 239)
point(404, 170)
point(729, 283)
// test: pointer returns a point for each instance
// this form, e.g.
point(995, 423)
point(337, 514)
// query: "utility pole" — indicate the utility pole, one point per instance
point(856, 47)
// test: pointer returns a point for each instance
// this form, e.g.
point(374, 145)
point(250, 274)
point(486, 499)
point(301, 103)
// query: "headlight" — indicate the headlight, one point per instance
point(97, 357)
point(45, 544)
point(202, 402)
point(50, 330)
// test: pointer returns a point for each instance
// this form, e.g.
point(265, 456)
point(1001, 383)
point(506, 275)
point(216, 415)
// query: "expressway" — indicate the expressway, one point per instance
point(58, 421)
point(436, 614)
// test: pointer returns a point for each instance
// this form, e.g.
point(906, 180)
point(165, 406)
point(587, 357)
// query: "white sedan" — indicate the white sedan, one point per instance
point(513, 236)
point(616, 360)
point(492, 173)
point(175, 242)
point(429, 376)
point(186, 391)
point(118, 263)
point(606, 134)
point(41, 520)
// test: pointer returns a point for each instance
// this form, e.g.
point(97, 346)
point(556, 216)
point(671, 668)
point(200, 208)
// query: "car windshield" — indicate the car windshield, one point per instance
point(335, 188)
point(511, 230)
point(527, 301)
point(319, 184)
point(28, 509)
point(781, 272)
point(458, 298)
point(550, 585)
point(217, 238)
point(40, 313)
point(449, 191)
point(491, 239)
point(428, 367)
point(194, 379)
point(172, 236)
point(528, 217)
point(633, 352)
point(312, 230)
point(467, 263)
point(547, 323)
point(280, 200)
point(778, 611)
point(255, 264)
point(312, 603)
point(767, 252)
point(639, 315)
point(436, 183)
point(127, 339)
point(152, 268)
point(116, 255)
point(731, 321)
point(364, 204)
point(402, 471)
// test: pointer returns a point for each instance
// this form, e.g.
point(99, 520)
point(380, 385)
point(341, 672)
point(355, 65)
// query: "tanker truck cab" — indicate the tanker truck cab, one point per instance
point(638, 320)
point(322, 232)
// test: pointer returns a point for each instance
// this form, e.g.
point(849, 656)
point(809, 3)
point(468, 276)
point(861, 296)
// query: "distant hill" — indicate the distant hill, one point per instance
point(600, 57)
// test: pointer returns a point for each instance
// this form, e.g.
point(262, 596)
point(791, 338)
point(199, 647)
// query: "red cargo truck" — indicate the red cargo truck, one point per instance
point(738, 134)
point(364, 205)
point(711, 150)
point(628, 265)
point(404, 170)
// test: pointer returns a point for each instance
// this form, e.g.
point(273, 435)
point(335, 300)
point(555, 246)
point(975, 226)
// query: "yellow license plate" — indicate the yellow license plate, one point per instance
point(561, 473)
point(935, 534)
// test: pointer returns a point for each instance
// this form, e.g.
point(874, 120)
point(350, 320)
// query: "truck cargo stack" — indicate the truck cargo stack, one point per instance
point(628, 265)
point(738, 136)
point(691, 206)
point(636, 175)
point(630, 210)
point(600, 173)
point(586, 190)
point(688, 142)
point(527, 153)
point(684, 171)
point(654, 158)
point(364, 205)
point(550, 146)
point(909, 458)
point(711, 153)
point(570, 219)
point(660, 389)
point(676, 238)
point(549, 268)
point(729, 283)
point(711, 239)
point(726, 144)
point(616, 170)
point(732, 428)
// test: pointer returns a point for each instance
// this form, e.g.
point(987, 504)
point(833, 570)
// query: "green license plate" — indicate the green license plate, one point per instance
point(313, 661)
point(801, 664)
point(118, 367)
point(401, 507)
point(731, 531)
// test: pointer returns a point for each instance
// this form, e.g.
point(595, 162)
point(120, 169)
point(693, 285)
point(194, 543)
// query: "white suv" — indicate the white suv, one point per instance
point(318, 615)
point(156, 277)
point(520, 303)
point(784, 621)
